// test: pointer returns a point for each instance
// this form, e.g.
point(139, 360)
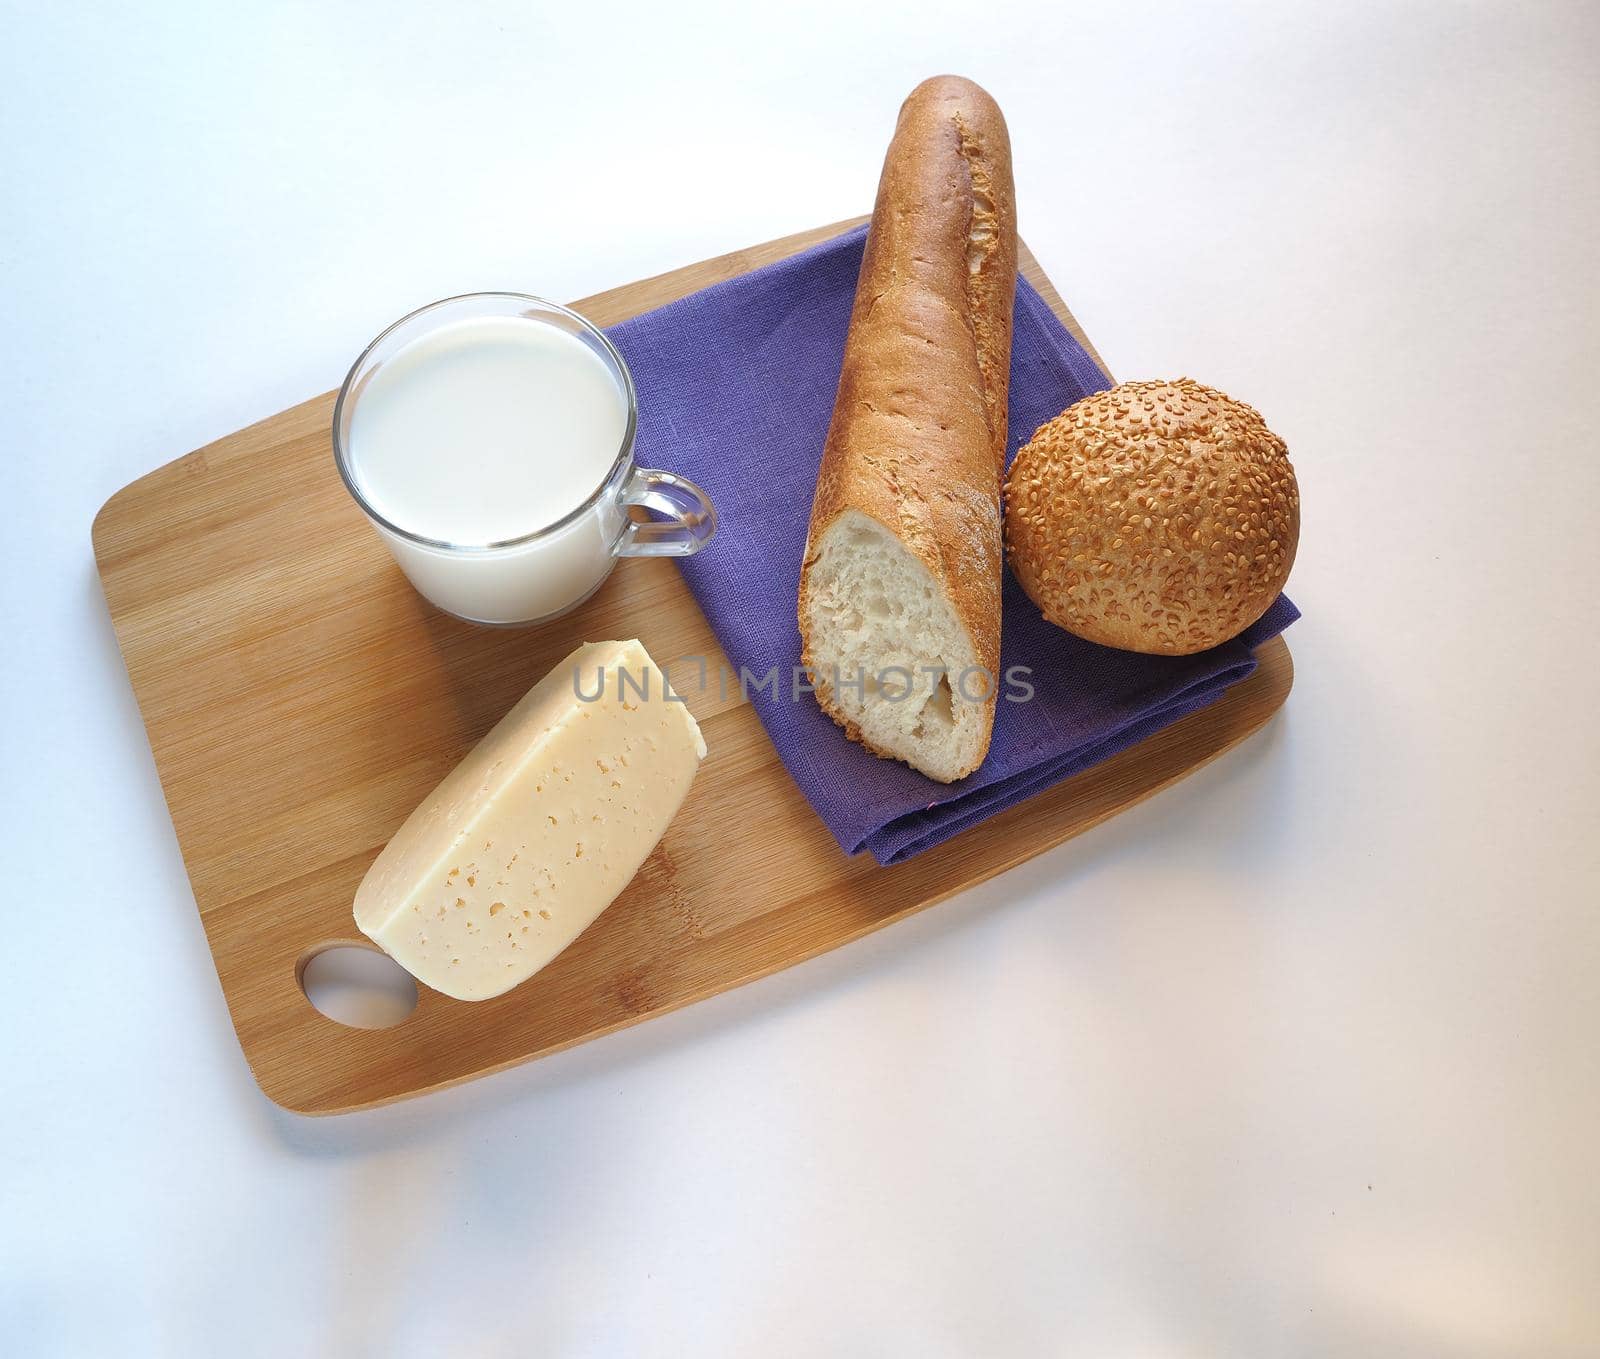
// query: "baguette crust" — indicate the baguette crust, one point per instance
point(918, 436)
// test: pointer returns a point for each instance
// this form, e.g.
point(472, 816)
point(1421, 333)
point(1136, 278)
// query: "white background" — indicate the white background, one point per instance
point(1299, 1058)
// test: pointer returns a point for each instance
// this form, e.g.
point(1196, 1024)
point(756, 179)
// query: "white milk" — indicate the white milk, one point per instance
point(483, 430)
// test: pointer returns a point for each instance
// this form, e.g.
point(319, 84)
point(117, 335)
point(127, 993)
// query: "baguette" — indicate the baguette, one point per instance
point(899, 603)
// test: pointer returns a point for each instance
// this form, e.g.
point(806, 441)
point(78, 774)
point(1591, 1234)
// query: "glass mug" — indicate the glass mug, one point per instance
point(554, 567)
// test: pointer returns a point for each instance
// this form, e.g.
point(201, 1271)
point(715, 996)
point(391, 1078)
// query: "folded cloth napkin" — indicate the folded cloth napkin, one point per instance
point(736, 387)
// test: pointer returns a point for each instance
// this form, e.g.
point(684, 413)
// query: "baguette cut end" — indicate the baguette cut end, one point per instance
point(889, 657)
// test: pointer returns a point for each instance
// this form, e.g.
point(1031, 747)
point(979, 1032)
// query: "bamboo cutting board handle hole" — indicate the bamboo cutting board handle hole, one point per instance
point(356, 985)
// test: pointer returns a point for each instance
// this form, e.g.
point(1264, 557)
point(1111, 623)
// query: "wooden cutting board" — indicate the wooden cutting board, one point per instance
point(301, 699)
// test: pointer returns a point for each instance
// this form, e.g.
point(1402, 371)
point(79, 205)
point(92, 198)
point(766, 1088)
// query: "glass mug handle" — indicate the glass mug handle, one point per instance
point(690, 523)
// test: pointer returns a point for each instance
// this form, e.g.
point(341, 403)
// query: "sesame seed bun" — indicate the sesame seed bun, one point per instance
point(1160, 517)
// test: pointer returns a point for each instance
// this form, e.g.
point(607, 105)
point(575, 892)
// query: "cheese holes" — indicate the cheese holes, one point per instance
point(358, 986)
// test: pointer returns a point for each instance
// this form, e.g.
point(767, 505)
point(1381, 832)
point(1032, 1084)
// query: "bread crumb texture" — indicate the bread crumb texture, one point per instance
point(886, 651)
point(1160, 517)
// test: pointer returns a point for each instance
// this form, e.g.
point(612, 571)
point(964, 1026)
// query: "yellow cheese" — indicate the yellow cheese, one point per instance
point(538, 829)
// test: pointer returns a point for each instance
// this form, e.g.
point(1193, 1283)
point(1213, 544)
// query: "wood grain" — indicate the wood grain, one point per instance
point(300, 699)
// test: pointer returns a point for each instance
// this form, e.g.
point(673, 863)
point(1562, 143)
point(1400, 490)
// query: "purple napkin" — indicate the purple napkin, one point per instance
point(736, 386)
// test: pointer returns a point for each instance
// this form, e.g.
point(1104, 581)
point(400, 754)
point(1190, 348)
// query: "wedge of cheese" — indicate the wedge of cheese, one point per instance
point(538, 829)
